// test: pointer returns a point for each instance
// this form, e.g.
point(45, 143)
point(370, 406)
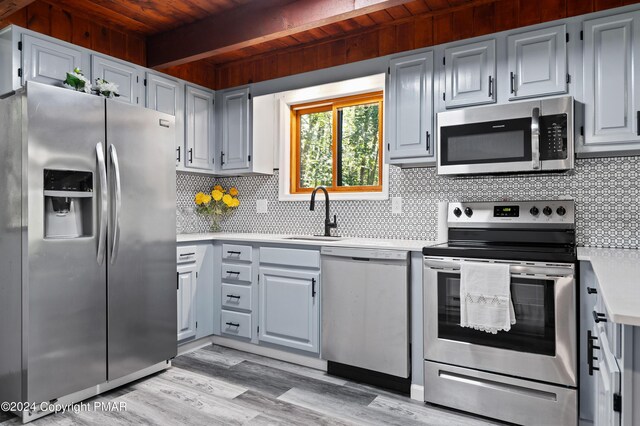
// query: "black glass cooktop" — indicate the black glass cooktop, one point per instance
point(484, 250)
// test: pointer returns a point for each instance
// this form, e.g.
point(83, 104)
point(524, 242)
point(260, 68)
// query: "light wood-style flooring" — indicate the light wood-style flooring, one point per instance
point(220, 386)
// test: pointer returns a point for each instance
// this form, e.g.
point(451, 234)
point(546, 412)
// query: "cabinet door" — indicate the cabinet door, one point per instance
point(410, 107)
point(611, 95)
point(167, 95)
point(186, 302)
point(127, 76)
point(607, 383)
point(235, 130)
point(48, 62)
point(470, 74)
point(538, 62)
point(289, 311)
point(199, 128)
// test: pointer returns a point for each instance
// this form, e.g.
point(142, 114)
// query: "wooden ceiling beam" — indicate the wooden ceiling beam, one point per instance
point(8, 7)
point(255, 23)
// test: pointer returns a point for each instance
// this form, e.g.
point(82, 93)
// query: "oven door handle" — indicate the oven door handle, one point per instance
point(547, 271)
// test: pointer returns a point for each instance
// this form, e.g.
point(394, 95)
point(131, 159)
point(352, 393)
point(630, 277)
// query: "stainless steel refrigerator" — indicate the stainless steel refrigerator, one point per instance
point(87, 244)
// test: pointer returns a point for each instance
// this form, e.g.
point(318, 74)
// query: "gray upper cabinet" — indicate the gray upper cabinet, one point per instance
point(409, 109)
point(537, 62)
point(199, 128)
point(289, 308)
point(470, 72)
point(236, 108)
point(48, 62)
point(128, 77)
point(167, 95)
point(611, 92)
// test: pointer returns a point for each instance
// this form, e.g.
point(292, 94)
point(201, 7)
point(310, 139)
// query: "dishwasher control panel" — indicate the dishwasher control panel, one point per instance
point(365, 253)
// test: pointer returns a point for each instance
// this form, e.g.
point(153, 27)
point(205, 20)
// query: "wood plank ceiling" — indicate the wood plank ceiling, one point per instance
point(403, 25)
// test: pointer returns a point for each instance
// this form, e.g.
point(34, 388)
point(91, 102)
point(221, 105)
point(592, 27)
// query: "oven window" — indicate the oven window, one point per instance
point(534, 305)
point(490, 142)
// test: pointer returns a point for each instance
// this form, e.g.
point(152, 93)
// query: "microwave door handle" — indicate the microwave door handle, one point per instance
point(535, 138)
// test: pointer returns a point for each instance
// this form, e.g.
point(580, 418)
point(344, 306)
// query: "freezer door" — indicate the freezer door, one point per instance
point(142, 304)
point(65, 342)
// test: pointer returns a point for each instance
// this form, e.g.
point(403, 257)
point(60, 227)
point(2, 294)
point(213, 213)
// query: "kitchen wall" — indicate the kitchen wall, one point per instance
point(606, 190)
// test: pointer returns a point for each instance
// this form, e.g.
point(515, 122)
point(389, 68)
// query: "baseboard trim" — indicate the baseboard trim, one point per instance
point(194, 345)
point(417, 393)
point(318, 364)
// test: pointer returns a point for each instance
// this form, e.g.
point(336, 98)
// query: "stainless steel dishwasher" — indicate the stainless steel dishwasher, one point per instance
point(365, 315)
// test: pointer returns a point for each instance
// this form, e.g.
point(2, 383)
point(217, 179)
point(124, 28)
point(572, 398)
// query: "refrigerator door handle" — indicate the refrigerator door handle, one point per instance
point(102, 230)
point(118, 203)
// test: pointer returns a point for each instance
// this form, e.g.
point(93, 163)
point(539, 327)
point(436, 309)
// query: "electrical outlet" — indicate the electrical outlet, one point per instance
point(261, 206)
point(396, 205)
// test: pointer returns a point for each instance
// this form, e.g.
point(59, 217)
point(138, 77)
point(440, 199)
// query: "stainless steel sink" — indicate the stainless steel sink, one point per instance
point(314, 238)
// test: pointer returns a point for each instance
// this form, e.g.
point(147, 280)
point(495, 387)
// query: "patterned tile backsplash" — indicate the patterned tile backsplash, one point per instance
point(606, 191)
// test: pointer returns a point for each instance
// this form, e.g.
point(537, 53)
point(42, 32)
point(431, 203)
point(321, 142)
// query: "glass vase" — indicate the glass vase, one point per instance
point(214, 221)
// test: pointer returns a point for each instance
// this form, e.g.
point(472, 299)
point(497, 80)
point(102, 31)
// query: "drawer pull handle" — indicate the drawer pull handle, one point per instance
point(591, 290)
point(590, 347)
point(187, 254)
point(234, 252)
point(233, 296)
point(598, 317)
point(233, 324)
point(233, 273)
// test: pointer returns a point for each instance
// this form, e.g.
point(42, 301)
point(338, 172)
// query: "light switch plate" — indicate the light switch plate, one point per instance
point(396, 205)
point(261, 206)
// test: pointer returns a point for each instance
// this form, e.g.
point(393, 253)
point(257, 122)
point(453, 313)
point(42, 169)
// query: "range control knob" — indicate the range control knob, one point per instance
point(561, 211)
point(457, 212)
point(468, 211)
point(547, 211)
point(534, 211)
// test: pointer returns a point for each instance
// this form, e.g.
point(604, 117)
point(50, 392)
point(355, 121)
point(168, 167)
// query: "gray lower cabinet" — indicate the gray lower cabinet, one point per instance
point(235, 154)
point(166, 95)
point(186, 301)
point(236, 291)
point(48, 62)
point(609, 361)
point(409, 110)
point(128, 77)
point(195, 287)
point(611, 92)
point(199, 129)
point(289, 308)
point(537, 62)
point(470, 74)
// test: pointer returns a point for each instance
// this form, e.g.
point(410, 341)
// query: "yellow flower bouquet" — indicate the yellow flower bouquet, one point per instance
point(216, 204)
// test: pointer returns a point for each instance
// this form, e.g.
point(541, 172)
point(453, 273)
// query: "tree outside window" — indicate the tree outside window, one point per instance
point(337, 143)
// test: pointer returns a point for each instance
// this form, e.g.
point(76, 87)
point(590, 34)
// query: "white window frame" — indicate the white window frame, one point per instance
point(285, 100)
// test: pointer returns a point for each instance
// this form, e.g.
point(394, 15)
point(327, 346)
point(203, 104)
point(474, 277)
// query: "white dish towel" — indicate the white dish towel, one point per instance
point(485, 297)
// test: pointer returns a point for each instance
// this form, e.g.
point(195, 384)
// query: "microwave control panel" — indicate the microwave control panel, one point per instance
point(553, 137)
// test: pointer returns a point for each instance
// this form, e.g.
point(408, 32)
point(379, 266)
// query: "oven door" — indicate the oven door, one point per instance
point(541, 345)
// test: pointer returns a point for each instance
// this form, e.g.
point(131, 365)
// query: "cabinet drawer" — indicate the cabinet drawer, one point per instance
point(236, 296)
point(293, 257)
point(186, 254)
point(236, 324)
point(236, 252)
point(231, 271)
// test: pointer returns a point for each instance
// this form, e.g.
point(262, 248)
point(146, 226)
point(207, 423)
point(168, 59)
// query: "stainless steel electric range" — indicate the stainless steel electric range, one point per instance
point(527, 375)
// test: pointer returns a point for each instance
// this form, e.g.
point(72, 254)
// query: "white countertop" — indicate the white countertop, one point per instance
point(408, 245)
point(618, 273)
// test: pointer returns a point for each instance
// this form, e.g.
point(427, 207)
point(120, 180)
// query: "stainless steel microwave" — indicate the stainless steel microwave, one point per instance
point(531, 136)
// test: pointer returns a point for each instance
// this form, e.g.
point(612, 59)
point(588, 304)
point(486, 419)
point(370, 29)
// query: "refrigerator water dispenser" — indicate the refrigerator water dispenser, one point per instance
point(68, 204)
